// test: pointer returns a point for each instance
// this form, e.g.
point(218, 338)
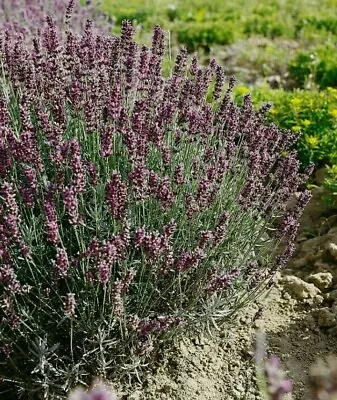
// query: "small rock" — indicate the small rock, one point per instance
point(299, 289)
point(274, 81)
point(326, 318)
point(332, 248)
point(322, 280)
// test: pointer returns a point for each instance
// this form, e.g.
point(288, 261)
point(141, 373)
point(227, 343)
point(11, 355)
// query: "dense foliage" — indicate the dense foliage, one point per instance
point(131, 208)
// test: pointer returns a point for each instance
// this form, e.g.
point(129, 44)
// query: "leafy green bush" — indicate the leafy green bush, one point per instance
point(270, 27)
point(318, 22)
point(205, 34)
point(301, 68)
point(313, 113)
point(318, 66)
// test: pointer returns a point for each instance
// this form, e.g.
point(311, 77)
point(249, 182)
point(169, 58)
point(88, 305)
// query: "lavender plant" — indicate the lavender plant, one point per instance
point(27, 17)
point(132, 210)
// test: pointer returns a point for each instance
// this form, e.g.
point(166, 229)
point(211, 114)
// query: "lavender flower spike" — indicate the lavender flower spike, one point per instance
point(277, 385)
point(98, 392)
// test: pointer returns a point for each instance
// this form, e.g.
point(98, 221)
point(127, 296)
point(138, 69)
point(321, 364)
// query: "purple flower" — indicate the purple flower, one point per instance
point(99, 391)
point(116, 195)
point(71, 205)
point(107, 141)
point(277, 385)
point(92, 170)
point(169, 229)
point(159, 325)
point(164, 192)
point(9, 278)
point(140, 235)
point(219, 233)
point(61, 264)
point(221, 280)
point(206, 237)
point(179, 174)
point(138, 177)
point(104, 271)
point(220, 77)
point(153, 245)
point(158, 41)
point(191, 206)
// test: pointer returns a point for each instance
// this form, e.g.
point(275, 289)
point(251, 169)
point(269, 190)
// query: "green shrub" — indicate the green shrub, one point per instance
point(205, 34)
point(319, 23)
point(313, 113)
point(301, 68)
point(318, 66)
point(331, 183)
point(270, 27)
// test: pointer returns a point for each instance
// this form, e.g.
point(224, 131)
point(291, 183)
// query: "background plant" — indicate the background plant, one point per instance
point(311, 113)
point(313, 116)
point(316, 66)
point(131, 209)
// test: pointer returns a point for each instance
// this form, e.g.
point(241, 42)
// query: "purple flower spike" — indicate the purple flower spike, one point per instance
point(98, 392)
point(277, 385)
point(116, 192)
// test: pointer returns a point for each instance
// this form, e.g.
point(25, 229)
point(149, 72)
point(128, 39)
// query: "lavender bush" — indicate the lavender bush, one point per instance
point(132, 210)
point(27, 17)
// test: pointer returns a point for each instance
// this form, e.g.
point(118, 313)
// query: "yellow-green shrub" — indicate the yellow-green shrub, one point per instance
point(311, 113)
